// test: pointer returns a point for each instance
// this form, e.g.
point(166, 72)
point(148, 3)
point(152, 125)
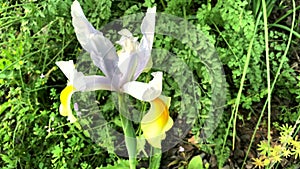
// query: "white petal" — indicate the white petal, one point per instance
point(68, 68)
point(75, 78)
point(145, 91)
point(151, 10)
point(76, 9)
point(145, 46)
point(82, 82)
point(100, 48)
point(148, 29)
point(95, 82)
point(125, 33)
point(128, 42)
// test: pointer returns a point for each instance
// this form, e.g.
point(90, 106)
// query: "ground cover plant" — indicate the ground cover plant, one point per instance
point(257, 43)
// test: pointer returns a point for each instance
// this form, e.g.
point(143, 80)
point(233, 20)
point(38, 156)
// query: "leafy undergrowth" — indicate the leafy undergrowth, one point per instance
point(35, 34)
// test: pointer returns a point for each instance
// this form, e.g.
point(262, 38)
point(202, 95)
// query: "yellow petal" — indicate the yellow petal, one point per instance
point(65, 99)
point(157, 121)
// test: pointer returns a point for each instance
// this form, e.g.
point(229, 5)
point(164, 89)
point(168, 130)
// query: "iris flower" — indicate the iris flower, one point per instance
point(120, 69)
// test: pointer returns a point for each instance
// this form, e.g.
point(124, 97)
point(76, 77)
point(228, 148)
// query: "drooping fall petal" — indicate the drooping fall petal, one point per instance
point(65, 99)
point(78, 82)
point(68, 68)
point(157, 121)
point(145, 91)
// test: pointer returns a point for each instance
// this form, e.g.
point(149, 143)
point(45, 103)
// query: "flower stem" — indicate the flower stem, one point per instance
point(130, 137)
point(155, 158)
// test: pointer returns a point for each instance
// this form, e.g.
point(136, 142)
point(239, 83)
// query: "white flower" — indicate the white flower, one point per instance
point(120, 69)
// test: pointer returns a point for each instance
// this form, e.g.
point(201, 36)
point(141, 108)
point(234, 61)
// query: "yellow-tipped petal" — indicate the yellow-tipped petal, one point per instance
point(65, 99)
point(157, 121)
point(72, 118)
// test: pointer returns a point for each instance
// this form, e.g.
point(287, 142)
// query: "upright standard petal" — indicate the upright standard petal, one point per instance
point(145, 47)
point(127, 55)
point(157, 121)
point(100, 48)
point(148, 29)
point(145, 91)
point(127, 41)
point(127, 67)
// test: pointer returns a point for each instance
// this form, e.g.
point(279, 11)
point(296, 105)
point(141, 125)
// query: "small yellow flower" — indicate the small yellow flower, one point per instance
point(276, 150)
point(296, 143)
point(296, 152)
point(267, 162)
point(258, 162)
point(286, 153)
point(263, 147)
point(286, 139)
point(276, 158)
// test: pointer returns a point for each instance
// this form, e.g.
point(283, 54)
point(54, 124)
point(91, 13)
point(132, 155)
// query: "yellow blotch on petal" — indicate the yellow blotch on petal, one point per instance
point(65, 99)
point(157, 121)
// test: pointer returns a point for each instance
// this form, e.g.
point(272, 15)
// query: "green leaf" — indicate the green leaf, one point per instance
point(196, 163)
point(4, 106)
point(118, 165)
point(6, 158)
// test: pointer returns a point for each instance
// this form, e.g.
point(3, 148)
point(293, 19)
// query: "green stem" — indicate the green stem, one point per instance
point(155, 158)
point(130, 137)
point(268, 70)
point(286, 28)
